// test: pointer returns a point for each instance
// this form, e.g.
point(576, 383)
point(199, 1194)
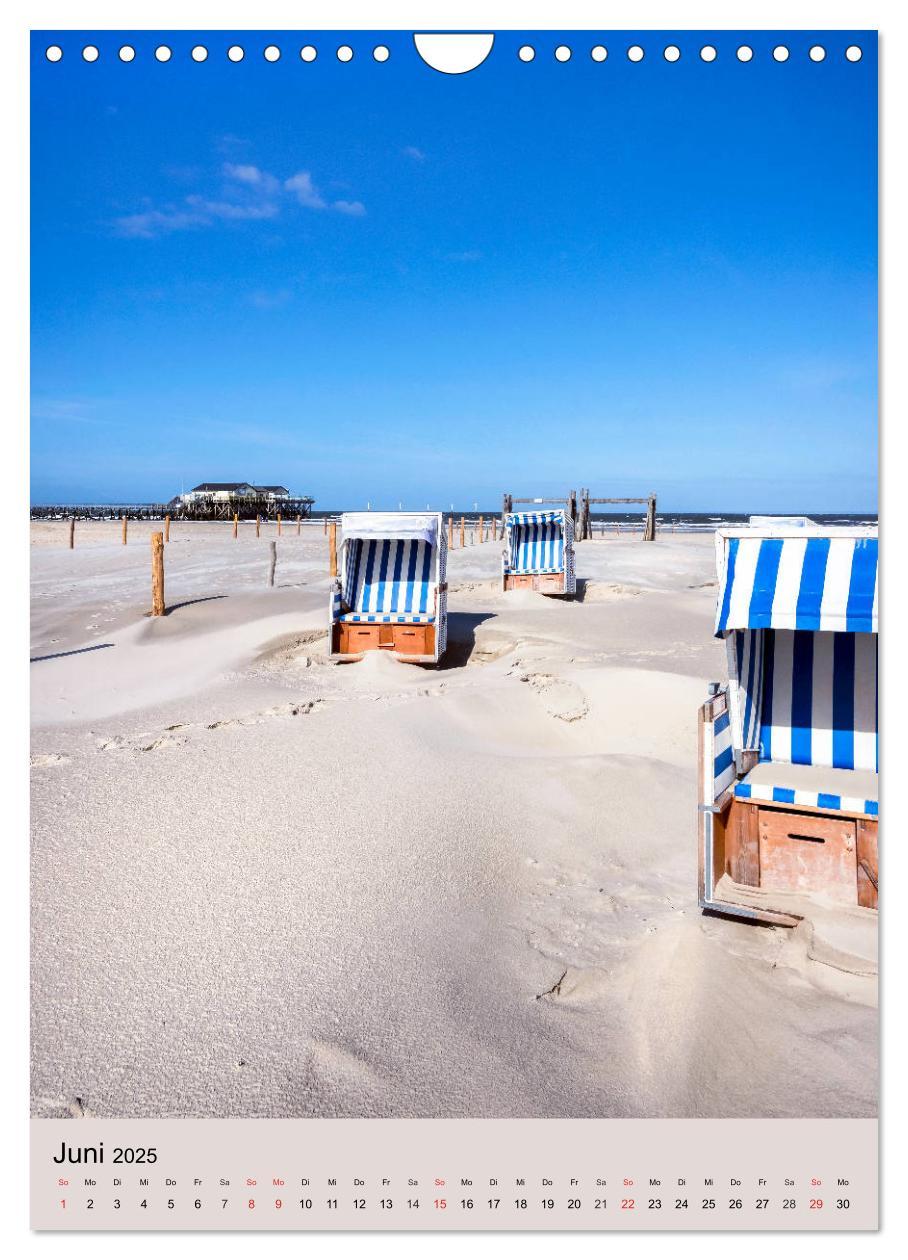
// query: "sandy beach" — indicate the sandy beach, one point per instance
point(267, 885)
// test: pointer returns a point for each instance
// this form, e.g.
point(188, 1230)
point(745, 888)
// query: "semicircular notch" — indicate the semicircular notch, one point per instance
point(454, 54)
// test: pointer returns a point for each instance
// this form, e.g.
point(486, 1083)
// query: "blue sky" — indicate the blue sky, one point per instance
point(377, 282)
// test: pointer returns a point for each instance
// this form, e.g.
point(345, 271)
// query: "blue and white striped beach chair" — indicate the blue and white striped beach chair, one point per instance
point(789, 749)
point(539, 552)
point(391, 594)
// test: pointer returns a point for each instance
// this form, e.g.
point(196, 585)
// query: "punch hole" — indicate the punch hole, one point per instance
point(708, 53)
point(162, 53)
point(381, 53)
point(599, 53)
point(854, 53)
point(780, 53)
point(526, 53)
point(635, 53)
point(345, 53)
point(672, 53)
point(308, 53)
point(199, 53)
point(745, 53)
point(272, 53)
point(127, 53)
point(562, 53)
point(235, 53)
point(54, 53)
point(453, 54)
point(817, 53)
point(90, 53)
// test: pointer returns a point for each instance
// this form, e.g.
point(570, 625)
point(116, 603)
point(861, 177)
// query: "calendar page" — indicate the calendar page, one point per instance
point(454, 628)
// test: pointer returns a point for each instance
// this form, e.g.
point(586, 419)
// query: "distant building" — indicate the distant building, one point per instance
point(221, 500)
point(226, 491)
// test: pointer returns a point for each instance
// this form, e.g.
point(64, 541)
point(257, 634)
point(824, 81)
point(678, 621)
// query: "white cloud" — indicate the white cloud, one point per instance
point(249, 194)
point(411, 151)
point(355, 208)
point(305, 191)
point(244, 174)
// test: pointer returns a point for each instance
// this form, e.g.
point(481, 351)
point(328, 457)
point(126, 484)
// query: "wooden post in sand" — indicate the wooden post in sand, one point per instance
point(72, 532)
point(273, 562)
point(481, 529)
point(258, 527)
point(325, 525)
point(167, 529)
point(124, 531)
point(278, 524)
point(332, 549)
point(451, 531)
point(298, 520)
point(649, 529)
point(463, 531)
point(236, 525)
point(157, 575)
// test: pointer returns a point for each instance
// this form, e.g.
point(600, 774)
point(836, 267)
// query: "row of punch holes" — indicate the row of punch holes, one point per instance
point(526, 53)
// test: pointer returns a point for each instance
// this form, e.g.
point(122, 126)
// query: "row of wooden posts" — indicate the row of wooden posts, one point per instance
point(160, 537)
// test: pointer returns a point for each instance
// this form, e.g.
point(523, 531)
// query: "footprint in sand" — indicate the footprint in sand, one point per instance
point(562, 700)
point(48, 759)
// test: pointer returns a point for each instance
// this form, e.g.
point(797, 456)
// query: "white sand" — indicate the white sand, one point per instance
point(269, 886)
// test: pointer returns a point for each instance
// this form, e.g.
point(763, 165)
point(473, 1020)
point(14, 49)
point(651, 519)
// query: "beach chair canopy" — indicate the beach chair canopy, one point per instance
point(390, 568)
point(799, 615)
point(812, 580)
point(536, 541)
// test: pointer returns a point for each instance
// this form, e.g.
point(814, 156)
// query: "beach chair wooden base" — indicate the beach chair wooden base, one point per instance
point(779, 848)
point(544, 583)
point(352, 638)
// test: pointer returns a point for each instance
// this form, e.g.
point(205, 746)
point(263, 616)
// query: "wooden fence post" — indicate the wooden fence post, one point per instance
point(124, 531)
point(332, 550)
point(463, 531)
point(298, 519)
point(278, 524)
point(325, 525)
point(649, 530)
point(258, 527)
point(481, 530)
point(271, 566)
point(451, 531)
point(236, 524)
point(72, 532)
point(167, 529)
point(157, 575)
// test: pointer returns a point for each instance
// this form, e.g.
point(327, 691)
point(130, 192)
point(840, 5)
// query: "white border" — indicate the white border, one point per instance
point(17, 17)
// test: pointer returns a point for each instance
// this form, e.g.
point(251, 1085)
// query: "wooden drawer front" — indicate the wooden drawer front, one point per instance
point(550, 584)
point(809, 853)
point(356, 637)
point(413, 640)
point(518, 581)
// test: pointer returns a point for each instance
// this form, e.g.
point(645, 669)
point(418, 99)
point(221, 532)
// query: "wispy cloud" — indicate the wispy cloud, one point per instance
point(248, 193)
point(355, 208)
point(304, 190)
point(465, 256)
point(306, 193)
point(411, 151)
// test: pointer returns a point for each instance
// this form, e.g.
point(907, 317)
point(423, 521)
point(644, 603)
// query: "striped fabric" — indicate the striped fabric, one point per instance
point(745, 669)
point(814, 800)
point(536, 542)
point(819, 699)
point(815, 787)
point(806, 583)
point(723, 756)
point(410, 619)
point(389, 579)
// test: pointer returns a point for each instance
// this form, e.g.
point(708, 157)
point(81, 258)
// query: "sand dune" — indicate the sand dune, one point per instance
point(266, 885)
